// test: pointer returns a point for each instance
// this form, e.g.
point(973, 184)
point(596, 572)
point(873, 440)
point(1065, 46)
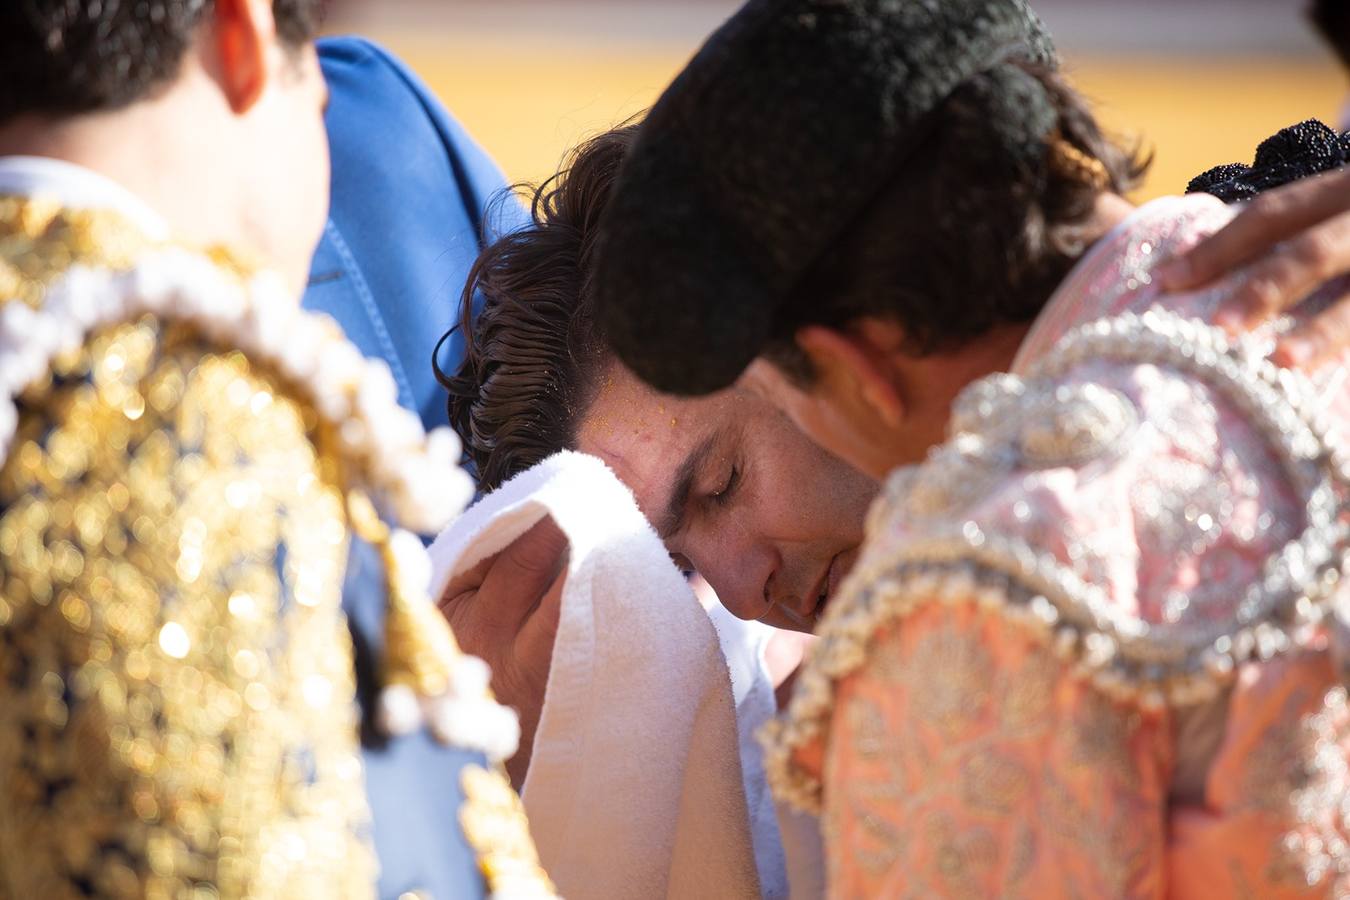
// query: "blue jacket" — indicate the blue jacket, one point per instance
point(409, 208)
point(407, 216)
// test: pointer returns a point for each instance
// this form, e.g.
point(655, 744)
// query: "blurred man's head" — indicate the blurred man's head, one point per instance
point(211, 110)
point(936, 281)
point(737, 493)
point(874, 199)
point(1332, 18)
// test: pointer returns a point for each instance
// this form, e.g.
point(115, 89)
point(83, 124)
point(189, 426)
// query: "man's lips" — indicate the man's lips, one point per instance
point(806, 616)
point(840, 566)
point(825, 588)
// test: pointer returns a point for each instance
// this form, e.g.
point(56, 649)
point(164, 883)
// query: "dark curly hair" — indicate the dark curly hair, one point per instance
point(533, 351)
point(67, 57)
point(960, 241)
point(965, 237)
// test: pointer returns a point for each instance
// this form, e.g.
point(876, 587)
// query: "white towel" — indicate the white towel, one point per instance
point(788, 846)
point(635, 786)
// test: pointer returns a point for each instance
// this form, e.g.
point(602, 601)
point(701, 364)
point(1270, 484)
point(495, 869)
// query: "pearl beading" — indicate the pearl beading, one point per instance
point(417, 473)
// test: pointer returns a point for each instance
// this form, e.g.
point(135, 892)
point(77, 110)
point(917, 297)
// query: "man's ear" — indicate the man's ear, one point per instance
point(245, 35)
point(854, 366)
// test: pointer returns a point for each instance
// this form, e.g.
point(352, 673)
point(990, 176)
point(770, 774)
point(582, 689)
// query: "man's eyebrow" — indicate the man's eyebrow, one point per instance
point(678, 504)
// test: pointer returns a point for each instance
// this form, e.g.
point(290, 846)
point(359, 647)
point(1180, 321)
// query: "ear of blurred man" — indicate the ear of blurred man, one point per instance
point(275, 91)
point(853, 404)
point(243, 36)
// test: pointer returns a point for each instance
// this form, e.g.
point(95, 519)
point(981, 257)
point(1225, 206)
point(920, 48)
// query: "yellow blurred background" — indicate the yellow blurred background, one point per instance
point(1200, 82)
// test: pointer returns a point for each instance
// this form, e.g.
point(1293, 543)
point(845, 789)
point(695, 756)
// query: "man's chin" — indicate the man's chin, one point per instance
point(791, 620)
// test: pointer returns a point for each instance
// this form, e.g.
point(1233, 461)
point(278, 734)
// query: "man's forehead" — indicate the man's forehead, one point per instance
point(645, 436)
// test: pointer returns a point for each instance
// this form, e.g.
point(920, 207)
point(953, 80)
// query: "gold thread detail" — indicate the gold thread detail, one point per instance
point(176, 677)
point(177, 673)
point(420, 648)
point(40, 240)
point(494, 823)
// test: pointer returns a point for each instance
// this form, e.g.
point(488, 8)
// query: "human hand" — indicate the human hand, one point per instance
point(505, 610)
point(1295, 238)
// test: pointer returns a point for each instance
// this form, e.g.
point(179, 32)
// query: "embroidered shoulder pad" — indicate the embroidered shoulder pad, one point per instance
point(1099, 498)
point(384, 454)
point(259, 318)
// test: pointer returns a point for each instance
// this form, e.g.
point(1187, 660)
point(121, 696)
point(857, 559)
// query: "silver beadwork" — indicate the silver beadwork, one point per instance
point(1075, 424)
point(1156, 664)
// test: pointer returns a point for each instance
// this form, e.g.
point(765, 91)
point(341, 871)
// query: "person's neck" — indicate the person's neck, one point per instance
point(931, 383)
point(149, 150)
point(1108, 211)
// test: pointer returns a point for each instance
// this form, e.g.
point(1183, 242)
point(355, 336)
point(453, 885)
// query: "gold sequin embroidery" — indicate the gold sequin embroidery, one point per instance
point(40, 239)
point(494, 823)
point(176, 715)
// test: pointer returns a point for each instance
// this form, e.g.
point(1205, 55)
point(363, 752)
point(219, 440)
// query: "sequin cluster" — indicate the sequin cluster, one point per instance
point(418, 473)
point(181, 446)
point(493, 819)
point(382, 444)
point(41, 239)
point(177, 716)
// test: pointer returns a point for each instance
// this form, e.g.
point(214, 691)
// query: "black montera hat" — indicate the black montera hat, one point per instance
point(777, 134)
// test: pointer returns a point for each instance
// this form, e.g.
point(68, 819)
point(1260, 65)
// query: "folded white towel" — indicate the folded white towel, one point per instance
point(635, 783)
point(788, 844)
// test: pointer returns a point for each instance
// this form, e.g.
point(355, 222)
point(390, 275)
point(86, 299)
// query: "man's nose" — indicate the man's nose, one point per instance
point(740, 573)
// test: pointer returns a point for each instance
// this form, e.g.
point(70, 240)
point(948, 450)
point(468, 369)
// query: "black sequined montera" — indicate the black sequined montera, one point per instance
point(1291, 153)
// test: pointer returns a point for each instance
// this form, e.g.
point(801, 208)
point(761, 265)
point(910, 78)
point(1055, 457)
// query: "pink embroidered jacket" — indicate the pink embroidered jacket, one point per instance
point(1091, 648)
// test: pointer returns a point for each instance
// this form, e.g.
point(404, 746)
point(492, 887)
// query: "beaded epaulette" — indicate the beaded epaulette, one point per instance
point(96, 320)
point(1008, 425)
point(384, 449)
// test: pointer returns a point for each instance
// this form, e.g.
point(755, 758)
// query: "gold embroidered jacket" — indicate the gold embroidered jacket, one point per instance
point(185, 458)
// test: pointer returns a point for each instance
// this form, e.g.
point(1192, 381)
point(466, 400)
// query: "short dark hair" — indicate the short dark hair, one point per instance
point(965, 237)
point(67, 57)
point(533, 351)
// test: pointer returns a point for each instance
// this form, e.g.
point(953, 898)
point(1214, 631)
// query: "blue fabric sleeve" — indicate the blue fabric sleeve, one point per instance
point(410, 202)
